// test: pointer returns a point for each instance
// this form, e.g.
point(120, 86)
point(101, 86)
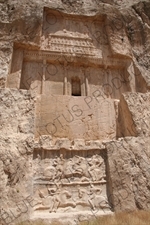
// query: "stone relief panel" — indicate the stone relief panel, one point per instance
point(14, 77)
point(67, 181)
point(43, 73)
point(31, 78)
point(70, 117)
point(71, 34)
point(43, 76)
point(72, 61)
point(108, 83)
point(71, 48)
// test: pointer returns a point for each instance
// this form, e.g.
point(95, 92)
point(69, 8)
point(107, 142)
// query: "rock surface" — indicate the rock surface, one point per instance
point(75, 109)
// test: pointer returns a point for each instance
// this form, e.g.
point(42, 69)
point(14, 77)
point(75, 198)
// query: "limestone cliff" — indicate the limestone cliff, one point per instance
point(75, 108)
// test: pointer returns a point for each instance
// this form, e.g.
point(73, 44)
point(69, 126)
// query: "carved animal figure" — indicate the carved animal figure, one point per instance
point(62, 199)
point(99, 201)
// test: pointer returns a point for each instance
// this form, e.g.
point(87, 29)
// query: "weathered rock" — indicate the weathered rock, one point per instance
point(128, 160)
point(75, 108)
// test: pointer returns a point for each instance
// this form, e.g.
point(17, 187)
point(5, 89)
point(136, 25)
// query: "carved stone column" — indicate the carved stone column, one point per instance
point(87, 86)
point(85, 82)
point(87, 76)
point(14, 78)
point(44, 76)
point(131, 77)
point(83, 85)
point(65, 79)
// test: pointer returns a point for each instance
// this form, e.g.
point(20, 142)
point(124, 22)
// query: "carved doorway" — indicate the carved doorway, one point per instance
point(75, 86)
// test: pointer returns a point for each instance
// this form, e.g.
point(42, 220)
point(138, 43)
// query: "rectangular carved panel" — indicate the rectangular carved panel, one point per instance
point(67, 181)
point(70, 34)
point(82, 117)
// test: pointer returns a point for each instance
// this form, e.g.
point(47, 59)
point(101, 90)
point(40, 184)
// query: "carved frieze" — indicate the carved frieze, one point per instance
point(71, 34)
point(70, 181)
point(72, 44)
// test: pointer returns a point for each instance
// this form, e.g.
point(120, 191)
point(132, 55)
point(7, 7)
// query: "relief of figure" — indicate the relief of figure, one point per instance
point(54, 199)
point(62, 199)
point(68, 169)
point(13, 170)
point(59, 165)
point(38, 157)
point(80, 168)
point(83, 198)
point(76, 168)
point(98, 200)
point(95, 169)
point(44, 201)
point(50, 172)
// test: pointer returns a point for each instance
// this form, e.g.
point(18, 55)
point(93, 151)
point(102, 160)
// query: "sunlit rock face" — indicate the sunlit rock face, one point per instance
point(75, 109)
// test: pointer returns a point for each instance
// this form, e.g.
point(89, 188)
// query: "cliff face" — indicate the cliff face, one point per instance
point(75, 108)
point(21, 22)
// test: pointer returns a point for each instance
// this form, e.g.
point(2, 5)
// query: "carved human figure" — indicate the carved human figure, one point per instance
point(98, 200)
point(83, 198)
point(62, 199)
point(95, 168)
point(68, 169)
point(80, 167)
point(59, 165)
point(38, 157)
point(11, 169)
point(50, 172)
point(48, 200)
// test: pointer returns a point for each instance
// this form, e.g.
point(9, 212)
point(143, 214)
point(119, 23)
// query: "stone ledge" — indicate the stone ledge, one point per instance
point(46, 142)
